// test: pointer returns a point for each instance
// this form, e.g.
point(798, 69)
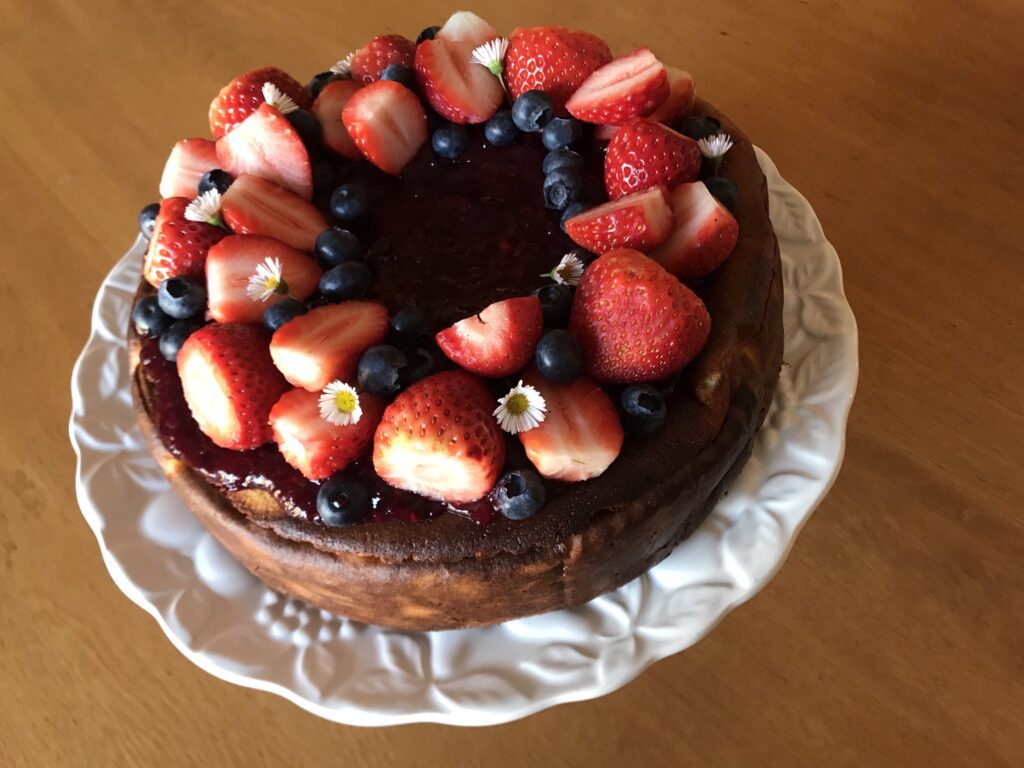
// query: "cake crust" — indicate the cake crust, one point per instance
point(449, 572)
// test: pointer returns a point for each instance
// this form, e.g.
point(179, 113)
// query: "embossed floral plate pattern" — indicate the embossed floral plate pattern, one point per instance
point(229, 624)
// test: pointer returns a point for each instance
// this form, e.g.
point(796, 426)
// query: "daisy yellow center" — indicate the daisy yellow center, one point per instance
point(517, 404)
point(345, 402)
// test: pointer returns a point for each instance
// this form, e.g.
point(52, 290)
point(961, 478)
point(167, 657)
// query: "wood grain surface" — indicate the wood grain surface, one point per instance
point(894, 635)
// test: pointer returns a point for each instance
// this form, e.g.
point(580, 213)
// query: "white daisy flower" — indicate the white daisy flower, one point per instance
point(491, 55)
point(569, 270)
point(715, 147)
point(205, 208)
point(339, 404)
point(343, 67)
point(267, 281)
point(522, 409)
point(278, 99)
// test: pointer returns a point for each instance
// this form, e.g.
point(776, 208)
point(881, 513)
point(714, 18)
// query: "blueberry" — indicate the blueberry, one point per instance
point(409, 324)
point(381, 370)
point(341, 501)
point(318, 81)
point(180, 297)
point(520, 494)
point(724, 189)
point(562, 187)
point(532, 111)
point(700, 127)
point(176, 335)
point(215, 179)
point(148, 319)
point(558, 356)
point(450, 141)
point(147, 219)
point(350, 203)
point(562, 158)
point(427, 34)
point(307, 126)
point(573, 209)
point(348, 280)
point(326, 175)
point(643, 409)
point(561, 132)
point(400, 73)
point(556, 303)
point(335, 246)
point(422, 363)
point(500, 130)
point(281, 312)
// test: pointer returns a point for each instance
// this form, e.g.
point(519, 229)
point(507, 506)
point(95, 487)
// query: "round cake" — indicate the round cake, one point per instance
point(467, 329)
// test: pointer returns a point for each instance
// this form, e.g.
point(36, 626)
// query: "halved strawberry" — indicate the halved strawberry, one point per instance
point(230, 383)
point(243, 96)
point(387, 122)
point(371, 60)
point(646, 154)
point(498, 340)
point(634, 321)
point(255, 206)
point(266, 145)
point(456, 87)
point(642, 220)
point(178, 247)
point(555, 60)
point(326, 343)
point(634, 84)
point(439, 438)
point(467, 28)
point(231, 263)
point(581, 434)
point(315, 446)
point(188, 161)
point(681, 95)
point(327, 108)
point(704, 235)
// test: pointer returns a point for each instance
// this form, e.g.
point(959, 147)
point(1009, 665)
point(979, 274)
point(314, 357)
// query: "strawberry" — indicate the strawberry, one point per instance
point(230, 383)
point(231, 263)
point(580, 436)
point(387, 122)
point(439, 438)
point(178, 247)
point(704, 235)
point(327, 108)
point(466, 28)
point(634, 321)
point(555, 60)
point(634, 84)
point(326, 343)
point(187, 163)
point(315, 446)
point(265, 144)
point(645, 154)
point(255, 206)
point(456, 87)
point(642, 220)
point(370, 61)
point(681, 94)
point(243, 96)
point(498, 340)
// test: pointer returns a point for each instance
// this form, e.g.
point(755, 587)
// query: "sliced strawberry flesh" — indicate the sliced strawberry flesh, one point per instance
point(704, 235)
point(325, 344)
point(188, 161)
point(642, 221)
point(635, 84)
point(255, 206)
point(266, 145)
point(387, 123)
point(458, 89)
point(681, 94)
point(497, 341)
point(327, 108)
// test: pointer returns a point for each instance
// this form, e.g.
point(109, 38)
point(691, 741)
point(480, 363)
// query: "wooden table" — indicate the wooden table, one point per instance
point(894, 635)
